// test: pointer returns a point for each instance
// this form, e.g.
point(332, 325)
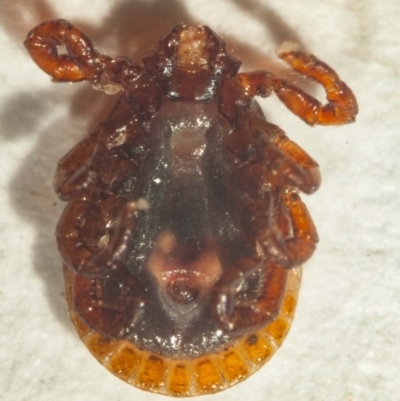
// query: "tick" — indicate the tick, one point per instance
point(184, 232)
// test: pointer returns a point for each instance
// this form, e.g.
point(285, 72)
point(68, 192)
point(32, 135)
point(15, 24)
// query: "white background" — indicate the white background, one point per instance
point(345, 340)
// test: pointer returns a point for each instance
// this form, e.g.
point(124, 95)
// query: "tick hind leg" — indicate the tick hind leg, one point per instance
point(109, 304)
point(93, 244)
point(249, 295)
point(342, 105)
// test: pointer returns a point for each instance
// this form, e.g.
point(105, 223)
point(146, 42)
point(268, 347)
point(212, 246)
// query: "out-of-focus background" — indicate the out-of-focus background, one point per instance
point(346, 335)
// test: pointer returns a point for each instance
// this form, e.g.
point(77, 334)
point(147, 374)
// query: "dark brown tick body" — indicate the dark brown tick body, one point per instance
point(184, 231)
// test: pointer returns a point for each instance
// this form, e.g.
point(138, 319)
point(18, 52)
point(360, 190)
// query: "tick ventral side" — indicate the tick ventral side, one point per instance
point(184, 232)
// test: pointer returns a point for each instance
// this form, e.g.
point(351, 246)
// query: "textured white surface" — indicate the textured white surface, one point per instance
point(346, 336)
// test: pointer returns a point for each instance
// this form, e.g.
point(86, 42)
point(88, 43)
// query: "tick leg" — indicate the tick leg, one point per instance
point(84, 63)
point(91, 166)
point(93, 236)
point(80, 63)
point(108, 160)
point(268, 168)
point(300, 245)
point(235, 308)
point(257, 142)
point(303, 160)
point(110, 304)
point(342, 105)
point(287, 163)
point(256, 83)
point(74, 174)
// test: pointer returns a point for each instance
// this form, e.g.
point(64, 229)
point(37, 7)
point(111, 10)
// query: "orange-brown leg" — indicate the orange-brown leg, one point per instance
point(93, 237)
point(269, 168)
point(302, 159)
point(241, 313)
point(109, 304)
point(258, 142)
point(81, 62)
point(302, 245)
point(342, 105)
point(287, 163)
point(74, 174)
point(299, 247)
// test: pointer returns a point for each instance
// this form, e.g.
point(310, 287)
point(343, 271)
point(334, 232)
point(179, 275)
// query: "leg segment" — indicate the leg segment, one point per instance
point(269, 168)
point(74, 175)
point(81, 63)
point(108, 160)
point(93, 237)
point(342, 105)
point(109, 304)
point(288, 164)
point(303, 159)
point(257, 143)
point(300, 245)
point(237, 310)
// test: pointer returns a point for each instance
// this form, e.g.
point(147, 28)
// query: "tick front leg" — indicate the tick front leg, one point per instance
point(302, 245)
point(342, 105)
point(82, 61)
point(237, 310)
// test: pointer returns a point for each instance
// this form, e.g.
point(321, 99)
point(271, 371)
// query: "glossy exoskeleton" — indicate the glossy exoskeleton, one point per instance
point(184, 232)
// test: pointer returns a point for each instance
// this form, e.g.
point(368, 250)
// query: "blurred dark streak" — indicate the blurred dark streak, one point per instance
point(130, 29)
point(17, 17)
point(273, 22)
